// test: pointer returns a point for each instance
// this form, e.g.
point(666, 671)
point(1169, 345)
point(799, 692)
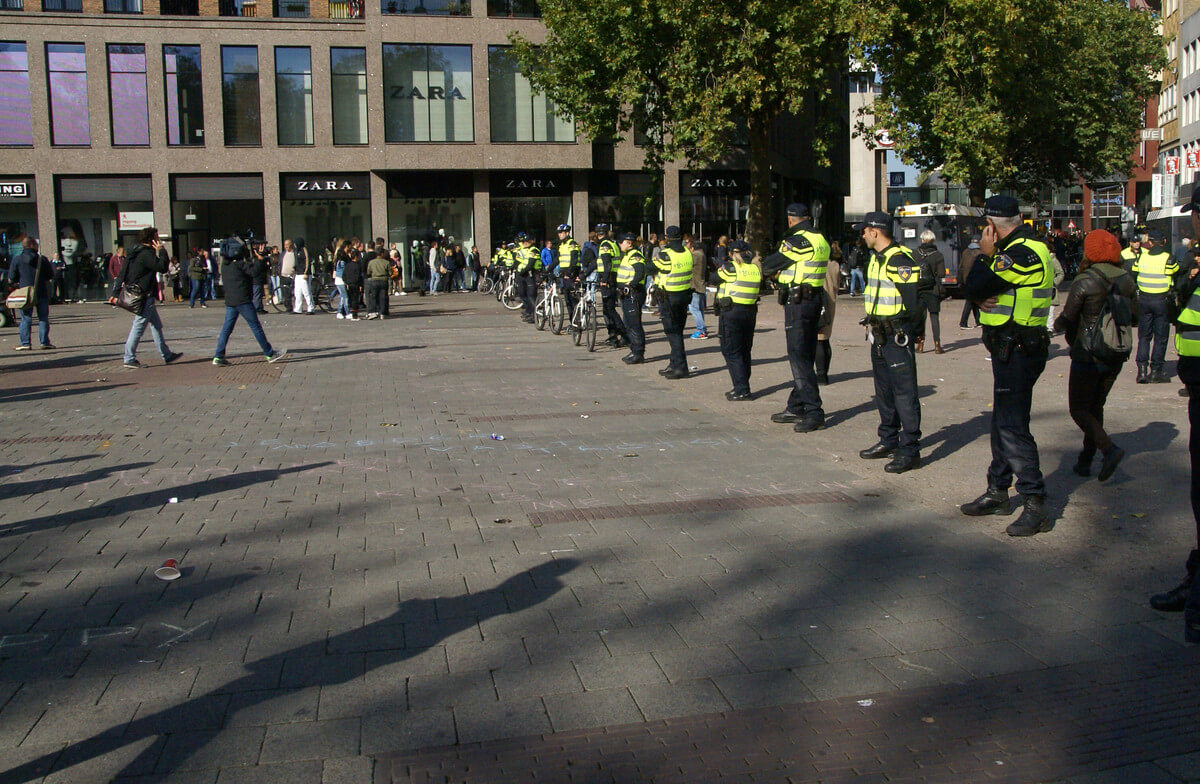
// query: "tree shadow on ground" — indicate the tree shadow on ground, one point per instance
point(182, 730)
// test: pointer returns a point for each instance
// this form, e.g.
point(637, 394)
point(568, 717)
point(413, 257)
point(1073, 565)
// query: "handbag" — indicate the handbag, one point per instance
point(131, 298)
point(25, 297)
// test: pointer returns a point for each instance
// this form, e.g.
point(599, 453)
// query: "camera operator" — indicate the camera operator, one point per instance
point(241, 267)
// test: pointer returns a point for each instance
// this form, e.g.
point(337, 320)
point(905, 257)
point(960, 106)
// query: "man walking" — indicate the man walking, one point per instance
point(240, 270)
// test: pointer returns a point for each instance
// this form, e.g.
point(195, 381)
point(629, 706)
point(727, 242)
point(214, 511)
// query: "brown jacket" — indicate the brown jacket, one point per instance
point(833, 279)
point(1085, 299)
point(699, 269)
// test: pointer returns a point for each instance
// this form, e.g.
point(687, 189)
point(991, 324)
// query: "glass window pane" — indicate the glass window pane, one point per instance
point(293, 94)
point(519, 113)
point(348, 81)
point(427, 93)
point(67, 77)
point(127, 95)
point(427, 7)
point(239, 95)
point(16, 121)
point(184, 95)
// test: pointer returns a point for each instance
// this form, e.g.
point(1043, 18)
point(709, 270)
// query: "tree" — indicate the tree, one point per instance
point(1016, 94)
point(691, 75)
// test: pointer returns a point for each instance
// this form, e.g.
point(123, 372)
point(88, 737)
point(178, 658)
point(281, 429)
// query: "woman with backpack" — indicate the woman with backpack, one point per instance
point(1089, 308)
point(929, 290)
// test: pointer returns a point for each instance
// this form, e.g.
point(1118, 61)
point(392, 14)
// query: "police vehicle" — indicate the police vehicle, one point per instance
point(953, 226)
point(1173, 222)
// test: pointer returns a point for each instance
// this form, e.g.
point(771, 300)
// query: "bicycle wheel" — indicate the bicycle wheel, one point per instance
point(485, 286)
point(541, 314)
point(577, 323)
point(509, 297)
point(591, 325)
point(321, 298)
point(334, 300)
point(558, 314)
point(281, 299)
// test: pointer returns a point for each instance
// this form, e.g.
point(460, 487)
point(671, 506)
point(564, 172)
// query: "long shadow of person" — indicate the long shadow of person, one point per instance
point(153, 498)
point(178, 724)
point(951, 438)
point(15, 489)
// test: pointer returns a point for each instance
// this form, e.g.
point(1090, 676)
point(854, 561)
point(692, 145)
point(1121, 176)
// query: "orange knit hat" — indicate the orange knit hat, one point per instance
point(1101, 245)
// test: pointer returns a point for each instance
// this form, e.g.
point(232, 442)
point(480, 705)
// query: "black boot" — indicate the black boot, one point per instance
point(1157, 375)
point(1083, 466)
point(1143, 376)
point(1033, 519)
point(1175, 599)
point(993, 502)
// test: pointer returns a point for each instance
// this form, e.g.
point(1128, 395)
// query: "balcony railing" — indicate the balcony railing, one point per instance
point(179, 7)
point(291, 8)
point(428, 7)
point(237, 8)
point(345, 9)
point(73, 6)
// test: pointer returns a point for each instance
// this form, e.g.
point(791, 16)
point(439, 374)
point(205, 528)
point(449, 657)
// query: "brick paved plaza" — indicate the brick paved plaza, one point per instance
point(641, 582)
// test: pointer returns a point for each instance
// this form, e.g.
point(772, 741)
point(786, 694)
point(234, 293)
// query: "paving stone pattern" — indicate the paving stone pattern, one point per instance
point(640, 582)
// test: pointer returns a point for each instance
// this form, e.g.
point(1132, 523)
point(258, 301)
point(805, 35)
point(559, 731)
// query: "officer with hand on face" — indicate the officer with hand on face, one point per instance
point(890, 298)
point(737, 308)
point(674, 267)
point(631, 286)
point(1013, 283)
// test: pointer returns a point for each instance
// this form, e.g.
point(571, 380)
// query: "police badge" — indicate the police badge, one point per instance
point(1002, 263)
point(905, 273)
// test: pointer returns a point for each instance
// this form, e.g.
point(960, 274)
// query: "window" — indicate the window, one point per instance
point(519, 8)
point(179, 7)
point(11, 5)
point(428, 7)
point(348, 81)
point(127, 95)
point(16, 120)
point(62, 5)
point(239, 96)
point(519, 113)
point(427, 93)
point(185, 104)
point(66, 74)
point(293, 94)
point(122, 6)
point(291, 8)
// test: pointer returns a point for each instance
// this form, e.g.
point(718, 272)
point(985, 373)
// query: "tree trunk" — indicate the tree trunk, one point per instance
point(758, 221)
point(977, 188)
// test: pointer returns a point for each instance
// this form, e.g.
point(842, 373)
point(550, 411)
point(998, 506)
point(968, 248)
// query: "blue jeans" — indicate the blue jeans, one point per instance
point(435, 280)
point(857, 284)
point(247, 312)
point(343, 299)
point(697, 309)
point(199, 289)
point(42, 305)
point(148, 317)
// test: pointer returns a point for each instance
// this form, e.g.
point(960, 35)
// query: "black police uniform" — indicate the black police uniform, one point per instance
point(527, 266)
point(569, 276)
point(736, 331)
point(674, 310)
point(894, 365)
point(633, 297)
point(607, 285)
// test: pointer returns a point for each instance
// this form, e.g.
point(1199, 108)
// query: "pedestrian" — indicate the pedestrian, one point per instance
point(699, 283)
point(890, 300)
point(1060, 274)
point(302, 299)
point(30, 268)
point(549, 259)
point(529, 261)
point(174, 275)
point(799, 267)
point(377, 286)
point(929, 289)
point(737, 314)
point(674, 265)
point(241, 268)
point(631, 288)
point(115, 262)
point(1091, 378)
point(608, 256)
point(147, 258)
point(833, 279)
point(435, 268)
point(475, 263)
point(1186, 597)
point(339, 281)
point(262, 272)
point(60, 280)
point(567, 260)
point(1154, 271)
point(353, 273)
point(855, 261)
point(966, 263)
point(1013, 286)
point(214, 273)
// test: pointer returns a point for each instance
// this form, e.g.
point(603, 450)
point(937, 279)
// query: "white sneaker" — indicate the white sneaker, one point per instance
point(351, 318)
point(340, 316)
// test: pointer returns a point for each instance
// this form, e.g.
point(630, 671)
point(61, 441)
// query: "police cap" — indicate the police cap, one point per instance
point(564, 227)
point(522, 236)
point(673, 233)
point(630, 236)
point(1194, 204)
point(875, 220)
point(1157, 236)
point(1001, 207)
point(797, 210)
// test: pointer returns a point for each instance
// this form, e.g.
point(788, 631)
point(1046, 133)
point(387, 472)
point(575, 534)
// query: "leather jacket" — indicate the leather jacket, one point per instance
point(1085, 299)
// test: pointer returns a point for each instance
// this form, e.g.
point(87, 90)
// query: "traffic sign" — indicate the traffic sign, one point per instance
point(883, 139)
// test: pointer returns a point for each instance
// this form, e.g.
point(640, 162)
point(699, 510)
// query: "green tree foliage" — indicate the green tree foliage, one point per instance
point(1011, 93)
point(689, 74)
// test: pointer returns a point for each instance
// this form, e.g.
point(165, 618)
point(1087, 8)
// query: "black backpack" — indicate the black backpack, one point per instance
point(1110, 337)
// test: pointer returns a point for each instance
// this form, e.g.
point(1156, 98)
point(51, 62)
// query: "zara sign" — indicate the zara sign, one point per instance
point(326, 186)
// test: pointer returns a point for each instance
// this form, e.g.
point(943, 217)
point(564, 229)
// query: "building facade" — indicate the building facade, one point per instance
point(399, 119)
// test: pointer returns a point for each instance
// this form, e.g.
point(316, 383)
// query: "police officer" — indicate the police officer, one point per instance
point(737, 309)
point(1013, 289)
point(1186, 597)
point(890, 298)
point(608, 256)
point(1130, 255)
point(568, 255)
point(528, 262)
point(674, 267)
point(801, 263)
point(631, 285)
point(1155, 271)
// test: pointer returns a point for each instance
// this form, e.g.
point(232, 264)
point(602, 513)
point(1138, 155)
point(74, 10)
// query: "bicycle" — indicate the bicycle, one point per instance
point(584, 323)
point(507, 293)
point(281, 295)
point(487, 282)
point(324, 293)
point(551, 306)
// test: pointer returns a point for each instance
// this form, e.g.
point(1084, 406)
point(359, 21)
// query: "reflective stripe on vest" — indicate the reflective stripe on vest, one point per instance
point(611, 248)
point(566, 249)
point(625, 271)
point(809, 264)
point(1152, 269)
point(881, 297)
point(1187, 331)
point(741, 285)
point(679, 278)
point(529, 259)
point(1028, 302)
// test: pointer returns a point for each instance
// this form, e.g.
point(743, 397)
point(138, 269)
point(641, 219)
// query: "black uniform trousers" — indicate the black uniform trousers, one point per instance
point(1013, 449)
point(895, 370)
point(1194, 450)
point(800, 327)
point(1153, 325)
point(567, 286)
point(612, 322)
point(674, 315)
point(736, 333)
point(527, 287)
point(631, 313)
